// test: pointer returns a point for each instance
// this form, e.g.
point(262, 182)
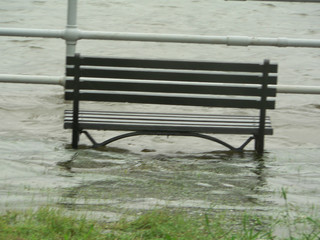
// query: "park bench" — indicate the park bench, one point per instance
point(187, 83)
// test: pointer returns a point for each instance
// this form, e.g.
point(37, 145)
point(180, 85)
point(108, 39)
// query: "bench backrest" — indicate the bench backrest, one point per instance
point(212, 84)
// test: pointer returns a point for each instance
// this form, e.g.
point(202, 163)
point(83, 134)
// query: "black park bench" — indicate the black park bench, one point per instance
point(188, 83)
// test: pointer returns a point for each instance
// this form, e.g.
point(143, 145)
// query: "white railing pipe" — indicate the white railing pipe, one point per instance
point(29, 32)
point(199, 39)
point(72, 34)
point(34, 79)
point(297, 89)
point(72, 12)
point(60, 80)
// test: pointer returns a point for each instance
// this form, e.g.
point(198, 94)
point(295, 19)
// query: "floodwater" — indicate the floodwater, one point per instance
point(37, 166)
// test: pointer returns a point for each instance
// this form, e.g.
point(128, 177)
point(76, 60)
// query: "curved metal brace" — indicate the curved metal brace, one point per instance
point(214, 139)
point(131, 134)
point(192, 134)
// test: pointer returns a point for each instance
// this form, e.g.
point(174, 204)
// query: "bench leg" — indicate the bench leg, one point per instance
point(259, 144)
point(75, 139)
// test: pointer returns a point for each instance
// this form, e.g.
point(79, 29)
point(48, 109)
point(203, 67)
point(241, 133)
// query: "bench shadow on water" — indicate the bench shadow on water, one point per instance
point(126, 181)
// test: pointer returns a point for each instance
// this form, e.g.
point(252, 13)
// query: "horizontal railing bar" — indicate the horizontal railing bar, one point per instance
point(74, 34)
point(60, 80)
point(28, 32)
point(297, 89)
point(34, 79)
point(199, 39)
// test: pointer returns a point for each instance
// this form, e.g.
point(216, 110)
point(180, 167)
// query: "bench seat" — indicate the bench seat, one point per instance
point(147, 121)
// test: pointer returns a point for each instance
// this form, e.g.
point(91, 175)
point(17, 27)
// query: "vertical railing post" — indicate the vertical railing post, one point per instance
point(71, 35)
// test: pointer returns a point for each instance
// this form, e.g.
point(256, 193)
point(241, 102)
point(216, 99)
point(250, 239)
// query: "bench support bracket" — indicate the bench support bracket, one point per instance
point(191, 134)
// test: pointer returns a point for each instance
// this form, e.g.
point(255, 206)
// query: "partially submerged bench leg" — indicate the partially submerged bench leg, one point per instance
point(75, 121)
point(75, 138)
point(259, 138)
point(259, 144)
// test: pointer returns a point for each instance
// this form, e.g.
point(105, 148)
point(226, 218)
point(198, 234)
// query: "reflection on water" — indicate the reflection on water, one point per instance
point(37, 166)
point(179, 178)
point(214, 180)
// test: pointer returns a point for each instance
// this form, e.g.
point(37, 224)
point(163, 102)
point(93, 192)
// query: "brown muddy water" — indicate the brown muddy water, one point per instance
point(37, 166)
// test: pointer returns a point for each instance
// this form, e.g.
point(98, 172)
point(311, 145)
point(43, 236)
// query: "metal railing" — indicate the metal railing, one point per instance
point(71, 34)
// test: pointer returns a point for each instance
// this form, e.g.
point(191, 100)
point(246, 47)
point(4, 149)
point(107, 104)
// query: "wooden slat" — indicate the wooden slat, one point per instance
point(170, 87)
point(171, 64)
point(167, 122)
point(166, 116)
point(155, 114)
point(188, 100)
point(171, 76)
point(171, 128)
point(167, 119)
point(172, 116)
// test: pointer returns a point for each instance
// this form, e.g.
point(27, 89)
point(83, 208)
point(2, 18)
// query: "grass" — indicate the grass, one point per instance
point(47, 223)
point(162, 224)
